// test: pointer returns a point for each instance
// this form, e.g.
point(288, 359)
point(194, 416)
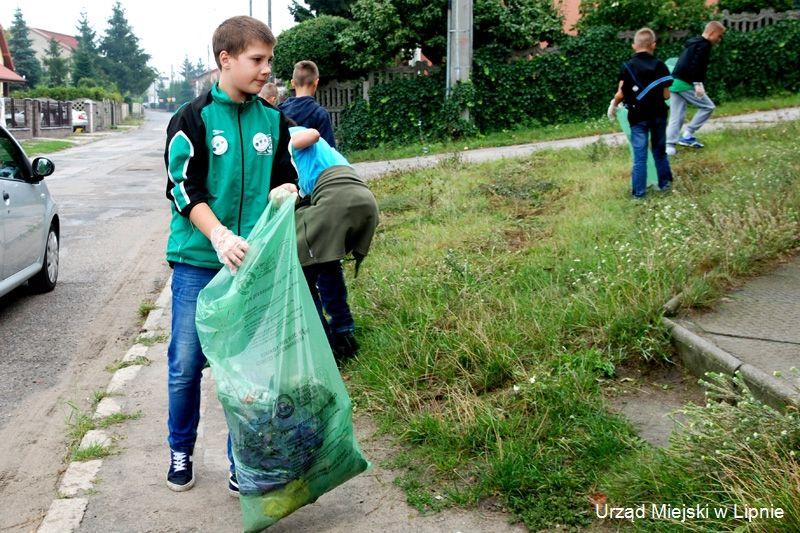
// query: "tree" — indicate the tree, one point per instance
point(660, 15)
point(57, 66)
point(314, 39)
point(384, 30)
point(85, 57)
point(336, 8)
point(123, 60)
point(185, 88)
point(25, 62)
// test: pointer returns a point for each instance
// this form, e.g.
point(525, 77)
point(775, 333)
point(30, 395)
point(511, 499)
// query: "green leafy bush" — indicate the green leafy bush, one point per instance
point(407, 111)
point(315, 40)
point(756, 63)
point(659, 15)
point(64, 93)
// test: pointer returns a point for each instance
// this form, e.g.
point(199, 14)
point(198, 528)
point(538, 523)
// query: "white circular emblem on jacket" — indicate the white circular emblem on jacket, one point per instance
point(219, 145)
point(262, 142)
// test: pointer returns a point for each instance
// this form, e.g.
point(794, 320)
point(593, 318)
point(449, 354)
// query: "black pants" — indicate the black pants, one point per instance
point(328, 288)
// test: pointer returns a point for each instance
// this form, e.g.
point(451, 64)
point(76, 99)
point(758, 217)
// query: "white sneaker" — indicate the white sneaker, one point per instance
point(671, 150)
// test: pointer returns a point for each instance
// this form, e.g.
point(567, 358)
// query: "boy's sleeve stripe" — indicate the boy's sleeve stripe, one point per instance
point(180, 153)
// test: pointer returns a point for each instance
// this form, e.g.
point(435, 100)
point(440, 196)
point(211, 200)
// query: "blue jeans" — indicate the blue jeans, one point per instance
point(328, 288)
point(657, 130)
point(185, 359)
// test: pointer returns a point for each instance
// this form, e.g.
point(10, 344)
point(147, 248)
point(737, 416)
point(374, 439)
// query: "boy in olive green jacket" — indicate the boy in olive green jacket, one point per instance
point(336, 216)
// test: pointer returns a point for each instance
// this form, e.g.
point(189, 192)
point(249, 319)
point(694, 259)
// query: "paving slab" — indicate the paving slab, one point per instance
point(759, 323)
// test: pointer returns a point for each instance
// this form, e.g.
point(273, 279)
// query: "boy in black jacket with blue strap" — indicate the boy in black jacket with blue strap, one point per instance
point(644, 85)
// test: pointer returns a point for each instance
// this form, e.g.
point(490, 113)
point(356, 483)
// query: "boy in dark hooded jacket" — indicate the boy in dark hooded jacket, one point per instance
point(688, 87)
point(302, 108)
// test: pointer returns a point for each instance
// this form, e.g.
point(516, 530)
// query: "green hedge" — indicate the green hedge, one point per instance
point(570, 85)
point(69, 93)
point(756, 63)
point(407, 111)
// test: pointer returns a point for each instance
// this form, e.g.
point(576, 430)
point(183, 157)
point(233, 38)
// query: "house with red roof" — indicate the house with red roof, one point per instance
point(40, 41)
point(7, 74)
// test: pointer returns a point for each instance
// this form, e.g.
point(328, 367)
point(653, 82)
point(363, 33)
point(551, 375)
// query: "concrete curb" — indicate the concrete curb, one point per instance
point(66, 512)
point(701, 356)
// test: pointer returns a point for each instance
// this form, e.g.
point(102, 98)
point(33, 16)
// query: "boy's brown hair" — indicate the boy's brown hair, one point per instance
point(236, 33)
point(305, 73)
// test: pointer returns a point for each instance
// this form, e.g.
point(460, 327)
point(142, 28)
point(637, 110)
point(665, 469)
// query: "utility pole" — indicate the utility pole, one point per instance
point(251, 8)
point(269, 13)
point(459, 42)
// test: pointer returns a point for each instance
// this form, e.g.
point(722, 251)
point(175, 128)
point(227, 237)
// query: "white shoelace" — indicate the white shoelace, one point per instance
point(179, 461)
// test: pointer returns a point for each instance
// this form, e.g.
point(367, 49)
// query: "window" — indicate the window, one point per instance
point(9, 165)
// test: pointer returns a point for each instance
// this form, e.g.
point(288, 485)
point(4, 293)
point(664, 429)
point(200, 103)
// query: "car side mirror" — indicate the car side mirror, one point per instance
point(42, 167)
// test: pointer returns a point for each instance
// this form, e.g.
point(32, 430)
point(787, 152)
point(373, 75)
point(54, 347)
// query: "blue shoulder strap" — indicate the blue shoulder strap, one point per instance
point(630, 71)
point(654, 84)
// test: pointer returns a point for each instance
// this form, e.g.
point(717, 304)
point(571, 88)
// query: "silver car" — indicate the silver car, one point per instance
point(29, 225)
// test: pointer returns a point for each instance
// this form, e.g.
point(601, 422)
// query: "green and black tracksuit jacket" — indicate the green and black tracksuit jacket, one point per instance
point(228, 155)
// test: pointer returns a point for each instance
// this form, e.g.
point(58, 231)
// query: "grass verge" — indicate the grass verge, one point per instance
point(733, 456)
point(34, 147)
point(498, 296)
point(552, 132)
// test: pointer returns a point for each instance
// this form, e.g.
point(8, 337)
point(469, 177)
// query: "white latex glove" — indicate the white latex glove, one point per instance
point(281, 193)
point(699, 90)
point(612, 110)
point(230, 248)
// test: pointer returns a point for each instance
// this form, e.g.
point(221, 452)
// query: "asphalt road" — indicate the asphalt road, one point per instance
point(54, 347)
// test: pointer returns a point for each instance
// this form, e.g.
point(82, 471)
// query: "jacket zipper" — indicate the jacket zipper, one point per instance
point(241, 147)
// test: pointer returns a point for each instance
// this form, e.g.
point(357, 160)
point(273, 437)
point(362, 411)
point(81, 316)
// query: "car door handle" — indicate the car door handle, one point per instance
point(6, 196)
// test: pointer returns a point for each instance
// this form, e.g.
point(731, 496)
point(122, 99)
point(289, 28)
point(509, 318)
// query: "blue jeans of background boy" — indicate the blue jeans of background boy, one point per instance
point(185, 359)
point(677, 114)
point(656, 130)
point(328, 288)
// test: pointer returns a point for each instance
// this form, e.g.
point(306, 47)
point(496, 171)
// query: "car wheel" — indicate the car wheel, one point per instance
point(45, 279)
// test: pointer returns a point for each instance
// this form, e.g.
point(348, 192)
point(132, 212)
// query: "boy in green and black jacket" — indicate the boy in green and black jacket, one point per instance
point(225, 151)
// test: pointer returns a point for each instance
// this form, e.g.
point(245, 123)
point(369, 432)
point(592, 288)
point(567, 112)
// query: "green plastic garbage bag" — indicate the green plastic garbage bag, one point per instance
point(622, 118)
point(287, 409)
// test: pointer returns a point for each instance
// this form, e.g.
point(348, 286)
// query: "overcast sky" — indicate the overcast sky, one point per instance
point(167, 29)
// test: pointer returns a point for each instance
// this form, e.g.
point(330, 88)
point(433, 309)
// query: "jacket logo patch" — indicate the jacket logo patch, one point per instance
point(262, 143)
point(219, 145)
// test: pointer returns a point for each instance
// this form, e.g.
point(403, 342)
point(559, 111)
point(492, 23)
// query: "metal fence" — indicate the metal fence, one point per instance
point(753, 21)
point(336, 95)
point(16, 113)
point(54, 114)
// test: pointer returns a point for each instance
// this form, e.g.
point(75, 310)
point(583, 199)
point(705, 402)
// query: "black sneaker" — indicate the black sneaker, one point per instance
point(344, 346)
point(181, 474)
point(233, 485)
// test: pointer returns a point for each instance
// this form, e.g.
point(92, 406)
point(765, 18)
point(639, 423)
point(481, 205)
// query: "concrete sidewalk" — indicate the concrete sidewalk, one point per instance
point(374, 169)
point(755, 330)
point(130, 494)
